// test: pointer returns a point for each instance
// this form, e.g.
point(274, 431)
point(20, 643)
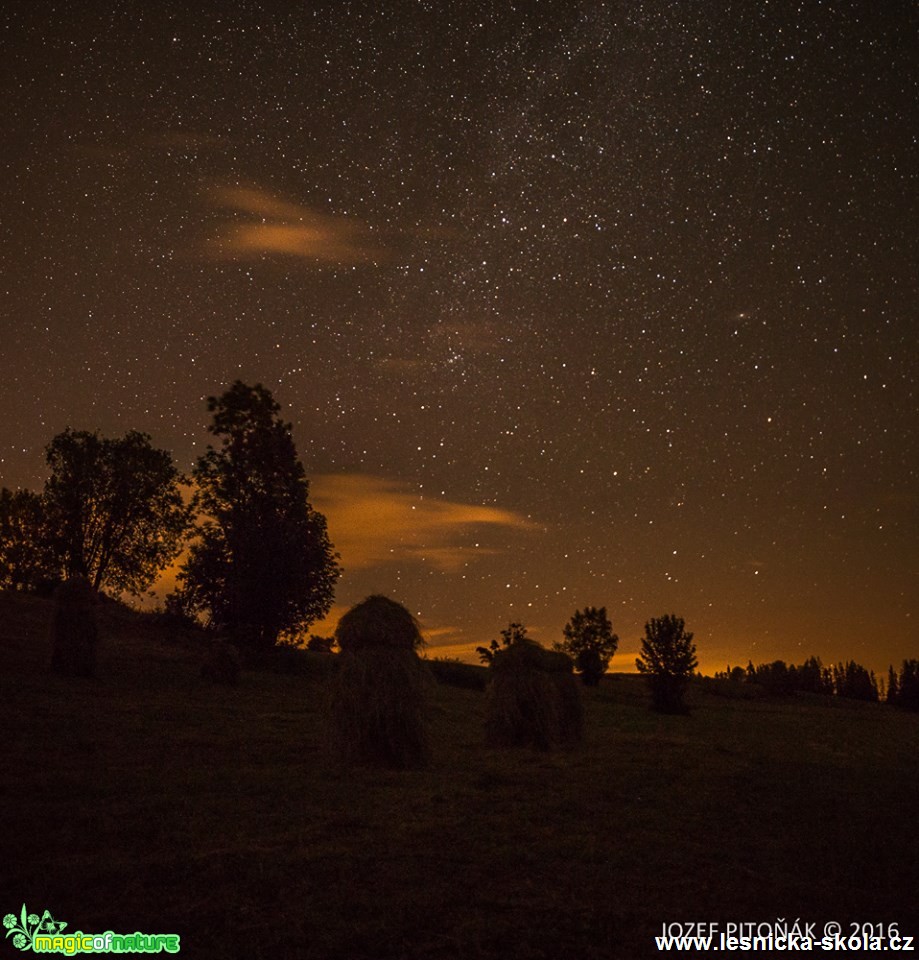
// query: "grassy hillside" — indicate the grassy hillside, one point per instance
point(149, 800)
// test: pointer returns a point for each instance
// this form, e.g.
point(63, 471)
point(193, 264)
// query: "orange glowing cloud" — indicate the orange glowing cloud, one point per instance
point(372, 521)
point(269, 225)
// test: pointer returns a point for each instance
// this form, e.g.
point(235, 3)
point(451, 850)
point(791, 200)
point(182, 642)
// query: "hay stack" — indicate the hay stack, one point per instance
point(74, 632)
point(222, 664)
point(378, 622)
point(570, 709)
point(532, 698)
point(376, 710)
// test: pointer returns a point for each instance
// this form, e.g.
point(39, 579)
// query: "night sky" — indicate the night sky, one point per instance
point(569, 303)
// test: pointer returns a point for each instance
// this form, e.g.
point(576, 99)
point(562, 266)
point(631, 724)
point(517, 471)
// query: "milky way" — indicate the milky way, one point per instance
point(569, 303)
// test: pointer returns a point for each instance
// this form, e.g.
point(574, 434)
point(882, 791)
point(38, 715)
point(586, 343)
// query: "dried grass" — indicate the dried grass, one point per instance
point(377, 708)
point(532, 699)
point(378, 622)
point(377, 701)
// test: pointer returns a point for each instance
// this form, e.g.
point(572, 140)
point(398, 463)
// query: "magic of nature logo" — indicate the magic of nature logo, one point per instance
point(44, 934)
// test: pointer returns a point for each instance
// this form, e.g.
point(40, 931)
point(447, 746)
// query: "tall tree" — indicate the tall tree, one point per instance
point(908, 685)
point(668, 659)
point(893, 686)
point(263, 563)
point(810, 676)
point(27, 561)
point(590, 642)
point(855, 682)
point(114, 509)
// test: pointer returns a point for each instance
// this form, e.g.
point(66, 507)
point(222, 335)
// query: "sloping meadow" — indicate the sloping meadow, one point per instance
point(147, 799)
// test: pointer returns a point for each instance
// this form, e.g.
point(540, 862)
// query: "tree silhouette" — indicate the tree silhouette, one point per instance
point(809, 676)
point(263, 563)
point(893, 686)
point(27, 562)
point(908, 685)
point(855, 682)
point(114, 511)
point(590, 642)
point(777, 678)
point(668, 659)
point(514, 633)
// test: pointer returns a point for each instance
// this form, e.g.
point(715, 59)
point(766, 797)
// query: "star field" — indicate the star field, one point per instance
point(569, 304)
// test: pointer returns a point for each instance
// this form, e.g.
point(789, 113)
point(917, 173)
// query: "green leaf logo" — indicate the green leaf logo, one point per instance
point(23, 929)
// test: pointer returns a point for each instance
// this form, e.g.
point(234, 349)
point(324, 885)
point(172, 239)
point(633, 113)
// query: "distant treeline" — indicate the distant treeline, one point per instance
point(850, 680)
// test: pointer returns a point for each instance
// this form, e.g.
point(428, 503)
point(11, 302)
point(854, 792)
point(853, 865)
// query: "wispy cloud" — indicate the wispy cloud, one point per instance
point(373, 520)
point(263, 224)
point(375, 523)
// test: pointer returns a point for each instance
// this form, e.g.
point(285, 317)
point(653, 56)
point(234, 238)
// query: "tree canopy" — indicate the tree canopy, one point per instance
point(27, 562)
point(262, 564)
point(114, 511)
point(668, 659)
point(590, 642)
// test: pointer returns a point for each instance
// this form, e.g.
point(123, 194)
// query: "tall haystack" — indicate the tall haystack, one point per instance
point(570, 708)
point(74, 631)
point(377, 710)
point(532, 698)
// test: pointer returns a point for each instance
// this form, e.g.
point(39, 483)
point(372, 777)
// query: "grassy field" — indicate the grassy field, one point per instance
point(149, 800)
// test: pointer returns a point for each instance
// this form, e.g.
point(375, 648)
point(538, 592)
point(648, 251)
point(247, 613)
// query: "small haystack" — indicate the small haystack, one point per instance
point(376, 710)
point(222, 664)
point(74, 632)
point(532, 699)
